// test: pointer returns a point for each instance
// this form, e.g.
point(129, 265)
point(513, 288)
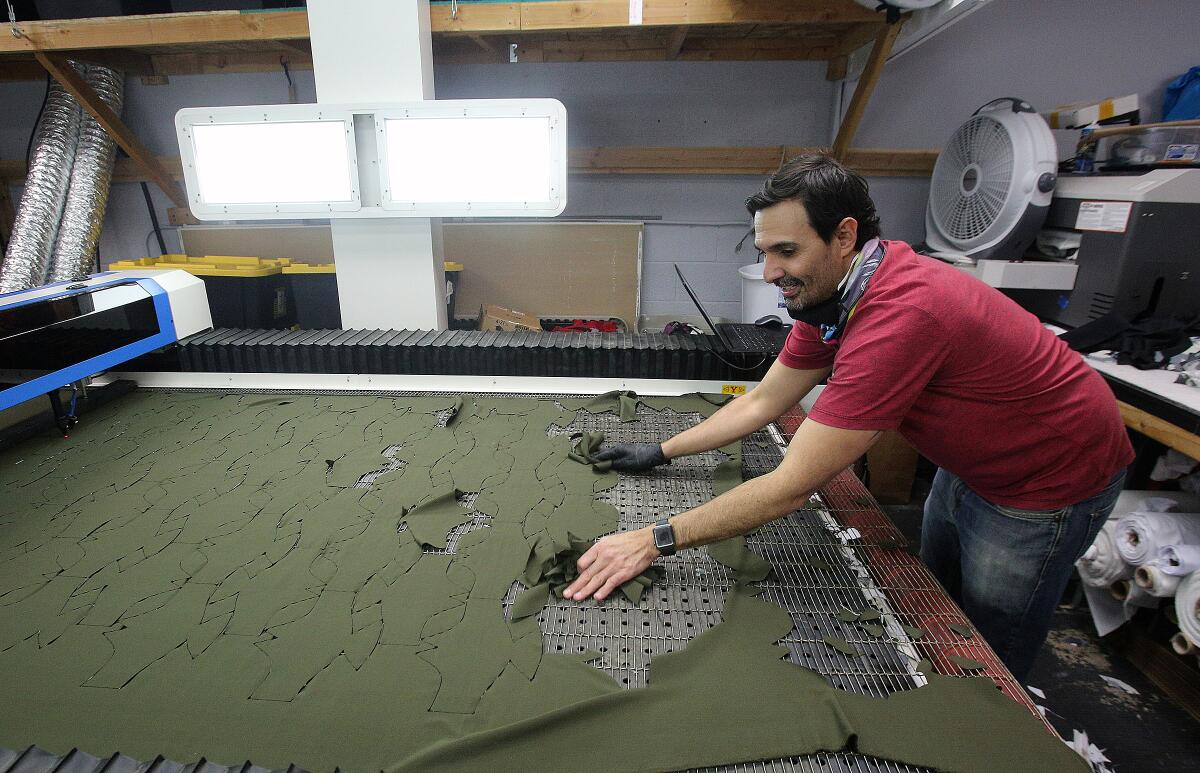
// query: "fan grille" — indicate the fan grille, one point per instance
point(971, 179)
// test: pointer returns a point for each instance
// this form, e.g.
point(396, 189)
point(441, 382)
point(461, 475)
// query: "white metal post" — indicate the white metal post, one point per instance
point(389, 271)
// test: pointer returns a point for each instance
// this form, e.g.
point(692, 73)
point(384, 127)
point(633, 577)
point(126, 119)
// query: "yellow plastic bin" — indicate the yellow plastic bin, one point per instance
point(243, 292)
point(314, 291)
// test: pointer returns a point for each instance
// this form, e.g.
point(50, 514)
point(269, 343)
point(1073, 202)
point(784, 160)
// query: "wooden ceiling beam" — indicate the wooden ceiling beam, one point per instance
point(675, 41)
point(200, 28)
point(62, 71)
point(169, 29)
point(874, 162)
point(601, 14)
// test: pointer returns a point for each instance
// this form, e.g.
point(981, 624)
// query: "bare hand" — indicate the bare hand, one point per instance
point(611, 562)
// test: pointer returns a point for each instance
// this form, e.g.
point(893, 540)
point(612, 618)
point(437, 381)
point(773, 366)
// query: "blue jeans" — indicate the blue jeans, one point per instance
point(1007, 568)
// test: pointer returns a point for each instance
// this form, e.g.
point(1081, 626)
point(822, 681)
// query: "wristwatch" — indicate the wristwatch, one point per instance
point(664, 538)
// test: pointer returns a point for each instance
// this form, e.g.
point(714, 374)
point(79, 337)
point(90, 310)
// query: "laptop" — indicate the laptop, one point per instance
point(740, 337)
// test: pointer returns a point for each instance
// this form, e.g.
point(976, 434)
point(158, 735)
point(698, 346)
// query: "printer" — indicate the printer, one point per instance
point(1135, 239)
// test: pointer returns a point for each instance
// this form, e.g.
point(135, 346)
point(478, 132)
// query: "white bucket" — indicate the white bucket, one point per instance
point(760, 299)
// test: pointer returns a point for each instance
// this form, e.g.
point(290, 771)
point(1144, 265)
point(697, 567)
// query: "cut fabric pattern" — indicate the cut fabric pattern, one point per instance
point(334, 568)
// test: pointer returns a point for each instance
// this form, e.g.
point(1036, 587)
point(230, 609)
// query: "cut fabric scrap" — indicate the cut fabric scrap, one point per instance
point(531, 601)
point(966, 664)
point(584, 446)
point(962, 630)
point(556, 565)
point(1112, 681)
point(733, 553)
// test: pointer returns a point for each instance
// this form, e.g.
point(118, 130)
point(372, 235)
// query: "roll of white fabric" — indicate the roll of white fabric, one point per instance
point(1187, 607)
point(1179, 560)
point(1181, 645)
point(1139, 535)
point(1151, 578)
point(1101, 565)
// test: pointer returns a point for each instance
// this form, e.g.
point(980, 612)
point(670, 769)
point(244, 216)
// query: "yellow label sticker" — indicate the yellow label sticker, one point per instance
point(733, 389)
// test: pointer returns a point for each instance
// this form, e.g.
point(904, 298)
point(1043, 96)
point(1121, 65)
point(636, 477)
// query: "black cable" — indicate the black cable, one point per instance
point(36, 121)
point(162, 246)
point(756, 365)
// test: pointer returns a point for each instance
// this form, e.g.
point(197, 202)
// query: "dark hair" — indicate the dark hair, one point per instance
point(829, 191)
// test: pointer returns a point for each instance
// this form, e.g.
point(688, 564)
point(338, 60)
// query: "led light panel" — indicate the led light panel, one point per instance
point(261, 163)
point(483, 160)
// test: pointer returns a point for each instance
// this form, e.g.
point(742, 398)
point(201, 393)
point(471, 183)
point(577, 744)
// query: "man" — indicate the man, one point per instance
point(1028, 439)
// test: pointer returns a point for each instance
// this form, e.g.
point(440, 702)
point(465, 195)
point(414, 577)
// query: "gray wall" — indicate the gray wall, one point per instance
point(1047, 52)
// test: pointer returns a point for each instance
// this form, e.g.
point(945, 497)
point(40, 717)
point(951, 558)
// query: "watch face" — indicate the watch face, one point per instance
point(664, 537)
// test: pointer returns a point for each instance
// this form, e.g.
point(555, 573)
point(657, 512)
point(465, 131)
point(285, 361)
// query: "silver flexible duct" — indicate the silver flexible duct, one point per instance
point(91, 175)
point(46, 182)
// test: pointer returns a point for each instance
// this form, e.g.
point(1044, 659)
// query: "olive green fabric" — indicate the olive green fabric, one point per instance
point(967, 664)
point(584, 446)
point(196, 574)
point(780, 708)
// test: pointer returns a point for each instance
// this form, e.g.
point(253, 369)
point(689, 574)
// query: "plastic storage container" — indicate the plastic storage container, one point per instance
point(454, 272)
point(760, 299)
point(242, 292)
point(314, 291)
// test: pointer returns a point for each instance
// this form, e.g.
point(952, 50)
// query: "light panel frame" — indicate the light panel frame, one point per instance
point(371, 195)
point(187, 118)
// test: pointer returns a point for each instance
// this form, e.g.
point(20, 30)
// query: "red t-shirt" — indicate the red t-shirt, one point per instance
point(972, 380)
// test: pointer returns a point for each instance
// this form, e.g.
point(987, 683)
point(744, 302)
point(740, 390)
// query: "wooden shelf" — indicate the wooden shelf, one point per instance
point(552, 31)
point(872, 162)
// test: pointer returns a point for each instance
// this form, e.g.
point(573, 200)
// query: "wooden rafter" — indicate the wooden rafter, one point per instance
point(875, 162)
point(675, 41)
point(62, 71)
point(866, 84)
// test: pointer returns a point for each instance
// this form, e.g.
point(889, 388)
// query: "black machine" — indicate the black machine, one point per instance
point(1133, 238)
point(741, 338)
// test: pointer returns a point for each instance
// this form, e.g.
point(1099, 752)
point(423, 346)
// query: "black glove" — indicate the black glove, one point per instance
point(631, 457)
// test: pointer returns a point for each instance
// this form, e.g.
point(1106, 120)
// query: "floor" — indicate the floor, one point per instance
point(1145, 732)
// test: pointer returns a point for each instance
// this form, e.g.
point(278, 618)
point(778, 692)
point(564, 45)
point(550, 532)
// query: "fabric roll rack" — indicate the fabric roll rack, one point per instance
point(1146, 552)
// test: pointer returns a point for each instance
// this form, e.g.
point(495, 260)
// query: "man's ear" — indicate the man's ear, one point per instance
point(846, 234)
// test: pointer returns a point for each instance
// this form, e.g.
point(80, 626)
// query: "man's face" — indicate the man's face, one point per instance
point(807, 269)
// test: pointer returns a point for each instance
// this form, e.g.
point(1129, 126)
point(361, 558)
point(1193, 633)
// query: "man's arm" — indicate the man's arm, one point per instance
point(816, 454)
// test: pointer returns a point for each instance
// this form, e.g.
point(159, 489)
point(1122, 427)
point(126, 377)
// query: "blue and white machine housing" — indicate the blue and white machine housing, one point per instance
point(61, 333)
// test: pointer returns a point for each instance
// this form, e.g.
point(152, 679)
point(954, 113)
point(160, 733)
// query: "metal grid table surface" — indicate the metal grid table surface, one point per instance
point(816, 575)
point(693, 594)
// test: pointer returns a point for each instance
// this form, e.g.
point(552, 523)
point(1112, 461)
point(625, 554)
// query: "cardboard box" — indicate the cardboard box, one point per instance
point(1082, 114)
point(500, 318)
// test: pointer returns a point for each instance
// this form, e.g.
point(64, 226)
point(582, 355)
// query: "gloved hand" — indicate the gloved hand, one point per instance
point(631, 457)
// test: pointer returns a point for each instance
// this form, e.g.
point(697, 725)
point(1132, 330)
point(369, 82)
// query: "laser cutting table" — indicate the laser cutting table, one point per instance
point(839, 552)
